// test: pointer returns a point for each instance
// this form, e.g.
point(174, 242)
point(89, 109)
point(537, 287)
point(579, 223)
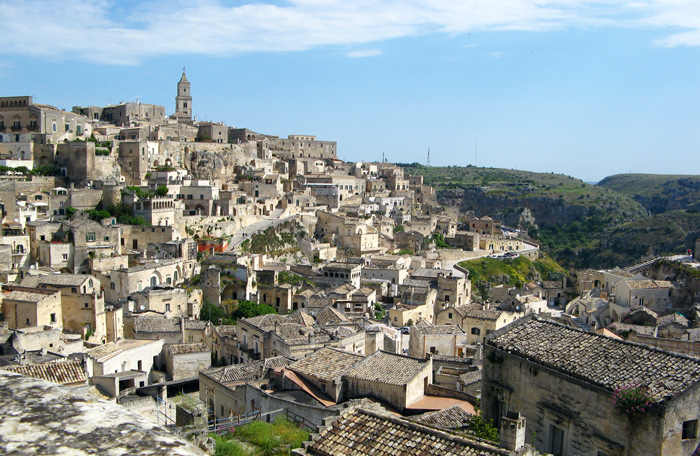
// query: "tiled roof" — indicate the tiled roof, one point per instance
point(265, 322)
point(470, 377)
point(444, 329)
point(650, 284)
point(639, 329)
point(596, 359)
point(246, 372)
point(673, 318)
point(302, 318)
point(156, 325)
point(293, 333)
point(27, 296)
point(450, 418)
point(329, 315)
point(482, 314)
point(181, 349)
point(326, 364)
point(65, 280)
point(343, 289)
point(226, 330)
point(63, 373)
point(385, 367)
point(364, 432)
point(196, 325)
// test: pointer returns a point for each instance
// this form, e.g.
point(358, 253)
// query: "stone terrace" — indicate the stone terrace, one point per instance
point(40, 417)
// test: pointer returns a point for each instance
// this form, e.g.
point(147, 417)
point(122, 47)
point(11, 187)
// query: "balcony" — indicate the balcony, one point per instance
point(16, 127)
point(33, 127)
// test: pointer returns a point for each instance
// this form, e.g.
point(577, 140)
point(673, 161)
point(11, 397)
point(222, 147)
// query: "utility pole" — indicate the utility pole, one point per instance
point(428, 163)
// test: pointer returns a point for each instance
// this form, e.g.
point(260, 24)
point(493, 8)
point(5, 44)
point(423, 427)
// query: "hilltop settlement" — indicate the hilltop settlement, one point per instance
point(166, 279)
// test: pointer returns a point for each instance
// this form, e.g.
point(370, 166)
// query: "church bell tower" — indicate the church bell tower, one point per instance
point(183, 100)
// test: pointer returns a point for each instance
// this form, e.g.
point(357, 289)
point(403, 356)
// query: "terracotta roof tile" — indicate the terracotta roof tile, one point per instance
point(63, 373)
point(326, 364)
point(600, 360)
point(388, 368)
point(364, 432)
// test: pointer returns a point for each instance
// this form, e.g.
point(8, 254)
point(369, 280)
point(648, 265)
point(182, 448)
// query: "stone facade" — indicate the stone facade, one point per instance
point(561, 380)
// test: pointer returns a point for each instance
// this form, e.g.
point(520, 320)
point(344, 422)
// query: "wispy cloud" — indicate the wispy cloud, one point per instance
point(120, 32)
point(365, 53)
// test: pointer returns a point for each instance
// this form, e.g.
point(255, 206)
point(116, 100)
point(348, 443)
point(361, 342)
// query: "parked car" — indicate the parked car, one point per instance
point(405, 330)
point(511, 255)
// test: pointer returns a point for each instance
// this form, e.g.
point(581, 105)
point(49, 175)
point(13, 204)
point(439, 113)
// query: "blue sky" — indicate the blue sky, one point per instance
point(584, 88)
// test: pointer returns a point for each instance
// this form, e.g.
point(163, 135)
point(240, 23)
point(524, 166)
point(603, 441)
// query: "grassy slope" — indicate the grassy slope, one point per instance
point(657, 192)
point(525, 183)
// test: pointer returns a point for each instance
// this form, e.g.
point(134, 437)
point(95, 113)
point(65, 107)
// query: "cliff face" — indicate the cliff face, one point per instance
point(517, 208)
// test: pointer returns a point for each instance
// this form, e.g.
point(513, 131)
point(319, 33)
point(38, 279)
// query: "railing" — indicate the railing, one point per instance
point(226, 425)
point(300, 420)
point(16, 128)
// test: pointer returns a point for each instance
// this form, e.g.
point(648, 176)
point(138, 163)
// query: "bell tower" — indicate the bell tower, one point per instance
point(183, 100)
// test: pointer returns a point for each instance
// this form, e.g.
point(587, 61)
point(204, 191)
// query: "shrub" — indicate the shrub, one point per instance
point(631, 399)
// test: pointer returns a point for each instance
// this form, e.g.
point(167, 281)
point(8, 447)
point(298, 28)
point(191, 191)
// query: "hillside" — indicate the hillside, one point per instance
point(578, 224)
point(670, 233)
point(658, 193)
point(524, 198)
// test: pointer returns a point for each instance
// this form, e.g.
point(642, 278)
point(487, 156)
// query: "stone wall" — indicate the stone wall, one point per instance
point(581, 410)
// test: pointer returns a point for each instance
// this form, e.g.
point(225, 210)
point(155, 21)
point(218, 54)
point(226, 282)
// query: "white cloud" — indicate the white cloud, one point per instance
point(119, 32)
point(364, 53)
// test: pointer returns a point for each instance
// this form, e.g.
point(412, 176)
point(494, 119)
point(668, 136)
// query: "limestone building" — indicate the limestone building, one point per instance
point(563, 381)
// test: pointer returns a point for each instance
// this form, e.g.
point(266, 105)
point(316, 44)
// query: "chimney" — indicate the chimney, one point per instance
point(512, 431)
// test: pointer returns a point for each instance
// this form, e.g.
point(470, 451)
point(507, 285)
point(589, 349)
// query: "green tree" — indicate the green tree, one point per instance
point(249, 309)
point(162, 190)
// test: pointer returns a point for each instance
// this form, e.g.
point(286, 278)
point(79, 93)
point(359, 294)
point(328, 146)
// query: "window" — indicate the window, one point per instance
point(112, 286)
point(53, 320)
point(86, 305)
point(139, 365)
point(449, 315)
point(476, 331)
point(690, 429)
point(90, 237)
point(167, 307)
point(555, 440)
point(106, 238)
point(74, 290)
point(65, 256)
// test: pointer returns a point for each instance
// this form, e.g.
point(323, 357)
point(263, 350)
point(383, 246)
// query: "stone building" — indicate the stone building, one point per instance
point(394, 379)
point(123, 114)
point(82, 303)
point(427, 339)
point(562, 380)
point(476, 320)
point(21, 119)
point(186, 360)
point(24, 307)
